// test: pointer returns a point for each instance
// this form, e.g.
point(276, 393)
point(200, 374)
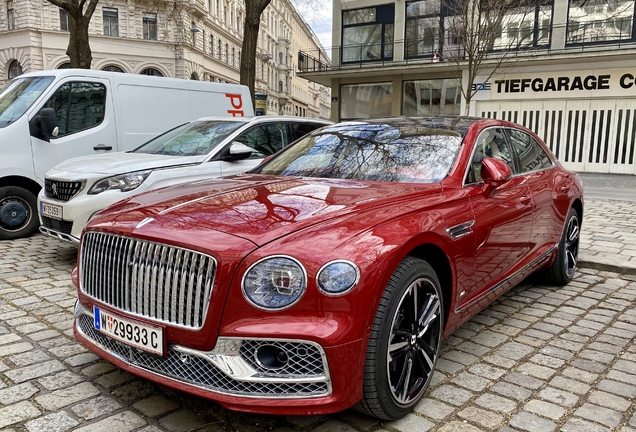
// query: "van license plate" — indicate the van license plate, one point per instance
point(134, 333)
point(51, 210)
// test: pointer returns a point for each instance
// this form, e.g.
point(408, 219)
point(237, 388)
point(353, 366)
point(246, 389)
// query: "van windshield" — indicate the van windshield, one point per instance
point(191, 139)
point(19, 95)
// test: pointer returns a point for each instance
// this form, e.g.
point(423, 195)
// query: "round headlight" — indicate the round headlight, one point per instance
point(338, 277)
point(274, 282)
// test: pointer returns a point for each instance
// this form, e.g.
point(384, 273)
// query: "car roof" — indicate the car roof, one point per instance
point(459, 124)
point(268, 119)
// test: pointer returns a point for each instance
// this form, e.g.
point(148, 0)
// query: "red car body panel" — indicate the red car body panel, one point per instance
point(242, 219)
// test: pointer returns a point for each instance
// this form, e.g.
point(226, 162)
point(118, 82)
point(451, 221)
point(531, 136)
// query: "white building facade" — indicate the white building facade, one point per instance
point(191, 39)
point(571, 78)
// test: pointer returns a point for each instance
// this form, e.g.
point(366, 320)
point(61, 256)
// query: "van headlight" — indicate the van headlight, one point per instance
point(274, 282)
point(123, 182)
point(338, 277)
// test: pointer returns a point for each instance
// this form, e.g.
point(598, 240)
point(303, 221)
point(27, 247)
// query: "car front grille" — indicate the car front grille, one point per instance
point(62, 226)
point(153, 280)
point(62, 190)
point(198, 371)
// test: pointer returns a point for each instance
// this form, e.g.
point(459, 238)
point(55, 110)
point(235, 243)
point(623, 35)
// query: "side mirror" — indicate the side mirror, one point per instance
point(45, 124)
point(237, 151)
point(494, 172)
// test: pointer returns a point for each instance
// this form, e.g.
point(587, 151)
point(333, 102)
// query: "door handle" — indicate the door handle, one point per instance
point(102, 147)
point(525, 199)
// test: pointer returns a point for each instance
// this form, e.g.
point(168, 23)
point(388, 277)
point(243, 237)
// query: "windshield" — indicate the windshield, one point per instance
point(377, 152)
point(191, 139)
point(19, 95)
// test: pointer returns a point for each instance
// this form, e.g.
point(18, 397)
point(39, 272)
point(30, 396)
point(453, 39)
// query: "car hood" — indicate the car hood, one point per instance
point(254, 207)
point(116, 163)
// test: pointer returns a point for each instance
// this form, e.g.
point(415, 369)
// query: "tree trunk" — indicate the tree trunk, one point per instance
point(79, 50)
point(253, 11)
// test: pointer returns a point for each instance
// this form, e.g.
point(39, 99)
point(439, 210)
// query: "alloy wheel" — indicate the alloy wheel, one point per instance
point(414, 341)
point(572, 235)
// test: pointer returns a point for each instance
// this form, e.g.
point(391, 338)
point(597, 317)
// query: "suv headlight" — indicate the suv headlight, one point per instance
point(274, 282)
point(123, 182)
point(338, 277)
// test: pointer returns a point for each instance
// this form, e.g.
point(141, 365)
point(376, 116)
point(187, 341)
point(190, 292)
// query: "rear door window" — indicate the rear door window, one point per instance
point(532, 156)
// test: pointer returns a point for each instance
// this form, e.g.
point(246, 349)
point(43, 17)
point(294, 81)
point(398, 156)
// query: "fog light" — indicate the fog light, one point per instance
point(271, 357)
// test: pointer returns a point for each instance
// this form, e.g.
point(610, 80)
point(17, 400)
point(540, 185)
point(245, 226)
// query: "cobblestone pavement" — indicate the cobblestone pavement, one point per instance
point(539, 359)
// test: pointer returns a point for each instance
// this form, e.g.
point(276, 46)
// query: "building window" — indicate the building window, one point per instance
point(151, 72)
point(432, 97)
point(233, 57)
point(591, 21)
point(10, 16)
point(111, 22)
point(113, 68)
point(363, 101)
point(211, 45)
point(422, 28)
point(218, 51)
point(367, 34)
point(15, 69)
point(529, 27)
point(63, 20)
point(194, 76)
point(150, 26)
point(227, 54)
point(64, 66)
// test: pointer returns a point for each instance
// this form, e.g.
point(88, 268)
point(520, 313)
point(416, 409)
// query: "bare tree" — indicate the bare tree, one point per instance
point(79, 13)
point(253, 12)
point(478, 37)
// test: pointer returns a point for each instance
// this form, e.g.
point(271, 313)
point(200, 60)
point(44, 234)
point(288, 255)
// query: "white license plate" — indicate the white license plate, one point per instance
point(51, 210)
point(134, 333)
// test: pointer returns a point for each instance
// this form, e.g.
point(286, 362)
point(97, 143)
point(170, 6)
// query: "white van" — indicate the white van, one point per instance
point(50, 116)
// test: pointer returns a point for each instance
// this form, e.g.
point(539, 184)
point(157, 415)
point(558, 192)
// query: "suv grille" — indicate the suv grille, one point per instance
point(62, 190)
point(61, 226)
point(154, 280)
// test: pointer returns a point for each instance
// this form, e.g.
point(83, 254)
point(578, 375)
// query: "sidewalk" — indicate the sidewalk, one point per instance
point(608, 237)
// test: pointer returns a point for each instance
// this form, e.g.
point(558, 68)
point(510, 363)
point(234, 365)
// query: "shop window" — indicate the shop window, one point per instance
point(367, 34)
point(599, 21)
point(111, 22)
point(432, 97)
point(363, 101)
point(151, 72)
point(78, 105)
point(113, 68)
point(150, 26)
point(63, 20)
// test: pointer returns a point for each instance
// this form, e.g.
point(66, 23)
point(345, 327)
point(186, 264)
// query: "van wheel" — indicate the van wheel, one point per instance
point(404, 342)
point(18, 217)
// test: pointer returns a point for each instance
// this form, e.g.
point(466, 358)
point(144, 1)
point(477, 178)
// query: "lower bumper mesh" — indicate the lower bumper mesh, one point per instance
point(201, 373)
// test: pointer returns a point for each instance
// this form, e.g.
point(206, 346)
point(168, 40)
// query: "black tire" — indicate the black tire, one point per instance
point(18, 213)
point(413, 334)
point(562, 269)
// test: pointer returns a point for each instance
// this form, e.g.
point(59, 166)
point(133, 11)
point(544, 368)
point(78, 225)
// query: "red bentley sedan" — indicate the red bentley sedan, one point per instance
point(326, 277)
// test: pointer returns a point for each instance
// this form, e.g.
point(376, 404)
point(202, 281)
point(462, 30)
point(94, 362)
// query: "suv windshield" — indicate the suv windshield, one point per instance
point(191, 139)
point(19, 95)
point(374, 152)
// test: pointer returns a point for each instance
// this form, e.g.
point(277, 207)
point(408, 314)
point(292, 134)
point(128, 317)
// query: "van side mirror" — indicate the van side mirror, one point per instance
point(237, 151)
point(45, 124)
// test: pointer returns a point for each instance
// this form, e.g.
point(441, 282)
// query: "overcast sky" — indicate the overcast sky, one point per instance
point(317, 13)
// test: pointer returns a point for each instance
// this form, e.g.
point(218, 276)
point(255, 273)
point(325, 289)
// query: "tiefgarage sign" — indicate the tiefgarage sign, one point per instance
point(559, 85)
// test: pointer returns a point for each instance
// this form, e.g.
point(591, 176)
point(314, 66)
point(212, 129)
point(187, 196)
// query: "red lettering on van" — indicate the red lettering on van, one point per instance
point(236, 100)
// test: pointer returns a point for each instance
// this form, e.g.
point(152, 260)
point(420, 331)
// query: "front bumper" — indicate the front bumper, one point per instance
point(231, 374)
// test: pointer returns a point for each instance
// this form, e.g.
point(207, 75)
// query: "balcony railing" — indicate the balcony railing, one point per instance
point(433, 50)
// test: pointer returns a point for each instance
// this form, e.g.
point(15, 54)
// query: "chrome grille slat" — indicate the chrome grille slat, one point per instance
point(149, 279)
